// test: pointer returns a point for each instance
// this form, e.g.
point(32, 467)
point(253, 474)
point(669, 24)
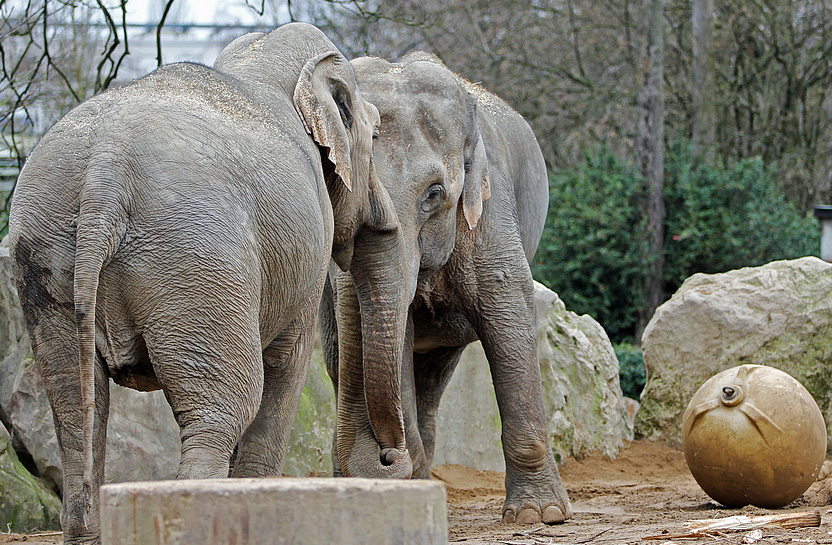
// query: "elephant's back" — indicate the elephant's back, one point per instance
point(211, 186)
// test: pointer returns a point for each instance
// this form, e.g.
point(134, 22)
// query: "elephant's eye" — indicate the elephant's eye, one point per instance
point(433, 197)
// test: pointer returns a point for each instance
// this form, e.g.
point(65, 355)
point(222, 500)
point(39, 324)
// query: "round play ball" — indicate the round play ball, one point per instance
point(754, 435)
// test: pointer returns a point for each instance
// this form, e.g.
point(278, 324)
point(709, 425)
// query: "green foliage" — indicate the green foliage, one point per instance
point(632, 372)
point(722, 219)
point(593, 248)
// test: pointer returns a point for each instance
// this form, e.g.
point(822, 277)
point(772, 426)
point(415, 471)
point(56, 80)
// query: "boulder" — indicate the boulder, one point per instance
point(26, 504)
point(582, 395)
point(779, 314)
point(310, 443)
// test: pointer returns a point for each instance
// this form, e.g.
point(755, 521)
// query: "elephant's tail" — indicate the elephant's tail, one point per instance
point(101, 226)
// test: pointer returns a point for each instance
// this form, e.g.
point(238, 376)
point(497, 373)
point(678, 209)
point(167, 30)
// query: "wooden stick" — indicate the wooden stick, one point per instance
point(691, 535)
point(708, 527)
point(749, 522)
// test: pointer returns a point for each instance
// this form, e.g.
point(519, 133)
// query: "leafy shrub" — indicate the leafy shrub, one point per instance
point(632, 372)
point(722, 219)
point(594, 246)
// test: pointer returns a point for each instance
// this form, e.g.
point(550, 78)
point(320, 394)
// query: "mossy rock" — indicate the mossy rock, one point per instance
point(25, 502)
point(779, 314)
point(310, 443)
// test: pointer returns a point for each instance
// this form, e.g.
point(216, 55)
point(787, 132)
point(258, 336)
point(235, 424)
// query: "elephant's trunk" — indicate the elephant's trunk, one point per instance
point(372, 313)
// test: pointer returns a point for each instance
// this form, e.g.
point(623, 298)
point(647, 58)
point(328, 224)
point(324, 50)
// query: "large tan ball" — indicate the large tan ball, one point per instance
point(754, 435)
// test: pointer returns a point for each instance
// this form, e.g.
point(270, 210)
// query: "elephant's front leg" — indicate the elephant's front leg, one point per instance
point(507, 329)
point(262, 449)
point(432, 372)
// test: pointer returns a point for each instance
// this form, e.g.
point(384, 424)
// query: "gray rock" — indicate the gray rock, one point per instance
point(26, 504)
point(31, 418)
point(582, 395)
point(779, 314)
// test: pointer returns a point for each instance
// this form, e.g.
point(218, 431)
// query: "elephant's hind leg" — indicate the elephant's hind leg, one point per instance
point(262, 449)
point(213, 385)
point(56, 357)
point(45, 291)
point(63, 384)
point(432, 372)
point(329, 343)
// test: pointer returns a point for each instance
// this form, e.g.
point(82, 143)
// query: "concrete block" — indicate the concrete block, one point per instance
point(274, 511)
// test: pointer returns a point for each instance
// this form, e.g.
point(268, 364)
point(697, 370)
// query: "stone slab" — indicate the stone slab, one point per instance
point(274, 511)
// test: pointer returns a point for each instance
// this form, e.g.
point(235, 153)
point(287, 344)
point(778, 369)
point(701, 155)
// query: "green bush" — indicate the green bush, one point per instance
point(723, 219)
point(593, 250)
point(593, 246)
point(631, 370)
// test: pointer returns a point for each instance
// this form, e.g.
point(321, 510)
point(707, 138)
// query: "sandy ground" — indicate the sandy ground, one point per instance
point(646, 492)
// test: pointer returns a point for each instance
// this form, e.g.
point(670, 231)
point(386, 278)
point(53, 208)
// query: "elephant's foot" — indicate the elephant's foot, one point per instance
point(85, 538)
point(531, 513)
point(528, 503)
point(73, 515)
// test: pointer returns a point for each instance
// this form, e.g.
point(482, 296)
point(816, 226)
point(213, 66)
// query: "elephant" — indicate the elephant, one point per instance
point(469, 184)
point(175, 234)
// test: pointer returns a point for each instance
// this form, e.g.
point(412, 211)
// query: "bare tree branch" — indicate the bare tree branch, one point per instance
point(49, 62)
point(159, 32)
point(110, 47)
point(259, 11)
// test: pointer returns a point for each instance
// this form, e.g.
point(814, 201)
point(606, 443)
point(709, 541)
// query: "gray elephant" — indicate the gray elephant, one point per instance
point(469, 184)
point(176, 233)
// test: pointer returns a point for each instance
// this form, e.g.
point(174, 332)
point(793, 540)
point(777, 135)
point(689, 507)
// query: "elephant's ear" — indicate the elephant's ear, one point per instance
point(324, 100)
point(476, 189)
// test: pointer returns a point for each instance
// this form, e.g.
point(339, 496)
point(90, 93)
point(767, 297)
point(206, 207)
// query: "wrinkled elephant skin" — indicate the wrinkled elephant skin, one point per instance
point(469, 184)
point(176, 232)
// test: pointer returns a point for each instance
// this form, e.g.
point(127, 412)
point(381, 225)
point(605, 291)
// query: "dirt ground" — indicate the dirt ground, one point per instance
point(646, 492)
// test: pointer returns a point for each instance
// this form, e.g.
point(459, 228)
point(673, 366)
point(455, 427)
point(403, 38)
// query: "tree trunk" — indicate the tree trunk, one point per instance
point(703, 107)
point(651, 157)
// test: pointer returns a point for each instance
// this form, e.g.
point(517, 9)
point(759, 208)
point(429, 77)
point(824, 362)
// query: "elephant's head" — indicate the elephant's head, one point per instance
point(431, 159)
point(297, 62)
point(429, 154)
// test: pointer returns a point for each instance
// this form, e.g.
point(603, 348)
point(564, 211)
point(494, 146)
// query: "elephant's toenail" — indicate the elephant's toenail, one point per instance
point(552, 515)
point(508, 516)
point(528, 516)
